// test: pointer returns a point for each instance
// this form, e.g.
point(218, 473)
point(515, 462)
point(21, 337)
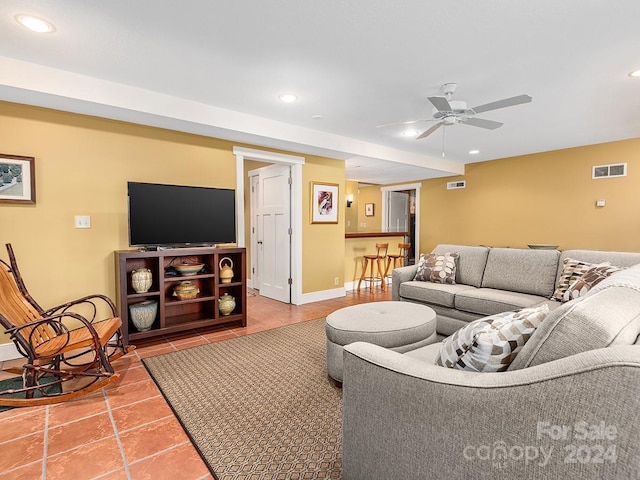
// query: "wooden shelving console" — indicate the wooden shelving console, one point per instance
point(176, 315)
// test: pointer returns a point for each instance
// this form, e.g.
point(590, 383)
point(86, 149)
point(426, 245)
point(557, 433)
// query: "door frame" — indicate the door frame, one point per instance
point(385, 213)
point(255, 174)
point(296, 164)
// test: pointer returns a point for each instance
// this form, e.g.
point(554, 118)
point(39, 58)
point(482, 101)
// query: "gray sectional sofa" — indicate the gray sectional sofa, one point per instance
point(567, 407)
point(494, 280)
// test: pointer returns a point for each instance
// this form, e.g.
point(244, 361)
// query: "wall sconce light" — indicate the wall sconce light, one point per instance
point(349, 200)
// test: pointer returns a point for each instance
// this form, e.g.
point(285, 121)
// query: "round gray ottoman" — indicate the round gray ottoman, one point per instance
point(399, 326)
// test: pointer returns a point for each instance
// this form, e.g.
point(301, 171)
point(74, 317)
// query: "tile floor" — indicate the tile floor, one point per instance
point(127, 430)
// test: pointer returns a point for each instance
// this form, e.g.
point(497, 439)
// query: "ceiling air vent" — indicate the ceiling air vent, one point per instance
point(455, 185)
point(608, 171)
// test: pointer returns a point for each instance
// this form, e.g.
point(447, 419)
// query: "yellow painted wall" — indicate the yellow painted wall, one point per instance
point(82, 167)
point(323, 244)
point(370, 195)
point(542, 198)
point(351, 218)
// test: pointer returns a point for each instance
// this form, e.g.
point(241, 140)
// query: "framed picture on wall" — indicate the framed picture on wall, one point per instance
point(368, 209)
point(324, 202)
point(17, 179)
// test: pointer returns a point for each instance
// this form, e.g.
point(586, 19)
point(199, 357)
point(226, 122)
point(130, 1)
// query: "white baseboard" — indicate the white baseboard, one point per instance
point(8, 351)
point(351, 285)
point(322, 295)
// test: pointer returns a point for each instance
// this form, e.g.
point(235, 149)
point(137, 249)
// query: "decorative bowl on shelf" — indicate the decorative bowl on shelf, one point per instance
point(143, 314)
point(186, 269)
point(542, 246)
point(186, 290)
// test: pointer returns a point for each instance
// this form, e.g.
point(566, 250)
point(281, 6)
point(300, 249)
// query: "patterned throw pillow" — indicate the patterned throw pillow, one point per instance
point(588, 280)
point(437, 268)
point(491, 343)
point(572, 270)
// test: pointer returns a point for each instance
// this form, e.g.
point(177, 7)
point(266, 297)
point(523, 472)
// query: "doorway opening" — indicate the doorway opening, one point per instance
point(401, 212)
point(294, 232)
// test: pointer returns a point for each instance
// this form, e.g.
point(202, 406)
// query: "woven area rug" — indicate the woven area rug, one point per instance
point(258, 407)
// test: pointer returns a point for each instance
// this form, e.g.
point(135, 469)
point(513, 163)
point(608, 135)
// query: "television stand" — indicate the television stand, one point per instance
point(175, 315)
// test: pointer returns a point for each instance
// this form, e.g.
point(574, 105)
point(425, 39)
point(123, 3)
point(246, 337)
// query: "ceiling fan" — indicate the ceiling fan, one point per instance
point(451, 112)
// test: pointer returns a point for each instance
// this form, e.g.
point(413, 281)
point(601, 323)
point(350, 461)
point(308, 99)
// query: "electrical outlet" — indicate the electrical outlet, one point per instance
point(336, 281)
point(83, 221)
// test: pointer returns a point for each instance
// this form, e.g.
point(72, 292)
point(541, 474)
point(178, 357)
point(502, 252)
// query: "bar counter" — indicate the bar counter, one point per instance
point(358, 244)
point(374, 234)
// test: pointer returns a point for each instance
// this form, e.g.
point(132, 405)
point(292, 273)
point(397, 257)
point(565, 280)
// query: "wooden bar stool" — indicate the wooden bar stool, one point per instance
point(397, 259)
point(380, 256)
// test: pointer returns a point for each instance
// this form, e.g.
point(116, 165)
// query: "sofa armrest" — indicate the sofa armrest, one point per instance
point(399, 275)
point(578, 417)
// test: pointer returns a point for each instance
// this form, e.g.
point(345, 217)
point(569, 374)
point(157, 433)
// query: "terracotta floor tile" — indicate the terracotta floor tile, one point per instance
point(86, 462)
point(62, 413)
point(14, 426)
point(189, 342)
point(132, 375)
point(117, 475)
point(152, 438)
point(32, 471)
point(152, 351)
point(131, 393)
point(74, 434)
point(134, 415)
point(21, 451)
point(126, 362)
point(182, 462)
point(217, 336)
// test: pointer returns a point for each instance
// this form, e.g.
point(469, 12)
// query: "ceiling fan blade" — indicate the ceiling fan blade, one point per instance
point(441, 103)
point(429, 132)
point(482, 123)
point(506, 102)
point(409, 122)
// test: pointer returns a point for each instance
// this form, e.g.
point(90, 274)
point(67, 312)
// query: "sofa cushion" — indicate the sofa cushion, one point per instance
point(428, 354)
point(437, 268)
point(608, 315)
point(434, 293)
point(572, 270)
point(470, 264)
point(588, 280)
point(490, 344)
point(619, 259)
point(521, 270)
point(489, 301)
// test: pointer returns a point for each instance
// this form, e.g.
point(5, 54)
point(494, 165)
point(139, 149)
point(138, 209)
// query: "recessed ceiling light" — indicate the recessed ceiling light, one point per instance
point(635, 74)
point(35, 24)
point(317, 117)
point(288, 97)
point(410, 133)
point(474, 152)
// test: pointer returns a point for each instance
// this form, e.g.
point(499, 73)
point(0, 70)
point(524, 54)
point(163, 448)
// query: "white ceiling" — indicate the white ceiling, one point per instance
point(216, 67)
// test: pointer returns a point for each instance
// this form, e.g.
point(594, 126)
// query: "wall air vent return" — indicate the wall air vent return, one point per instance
point(455, 185)
point(608, 171)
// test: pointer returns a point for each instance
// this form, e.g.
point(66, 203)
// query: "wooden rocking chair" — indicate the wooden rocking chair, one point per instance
point(67, 354)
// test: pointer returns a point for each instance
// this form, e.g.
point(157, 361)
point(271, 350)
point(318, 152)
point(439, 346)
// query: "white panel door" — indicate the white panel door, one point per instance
point(398, 212)
point(274, 242)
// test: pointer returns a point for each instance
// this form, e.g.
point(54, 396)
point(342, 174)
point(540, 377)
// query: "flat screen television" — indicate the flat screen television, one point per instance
point(176, 215)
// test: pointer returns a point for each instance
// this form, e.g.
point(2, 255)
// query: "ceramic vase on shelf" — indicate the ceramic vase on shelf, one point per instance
point(226, 270)
point(226, 304)
point(143, 314)
point(141, 280)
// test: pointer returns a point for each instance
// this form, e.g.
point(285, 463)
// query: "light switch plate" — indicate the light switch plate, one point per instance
point(83, 221)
